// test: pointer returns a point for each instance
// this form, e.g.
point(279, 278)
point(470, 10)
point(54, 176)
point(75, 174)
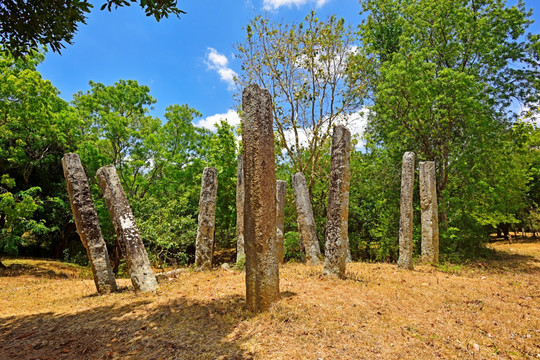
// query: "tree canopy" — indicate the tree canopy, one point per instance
point(27, 24)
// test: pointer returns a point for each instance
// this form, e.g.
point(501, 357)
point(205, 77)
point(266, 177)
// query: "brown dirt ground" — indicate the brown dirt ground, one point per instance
point(485, 310)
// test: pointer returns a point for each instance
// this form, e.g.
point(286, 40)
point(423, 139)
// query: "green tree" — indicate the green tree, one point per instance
point(303, 65)
point(36, 129)
point(445, 75)
point(27, 24)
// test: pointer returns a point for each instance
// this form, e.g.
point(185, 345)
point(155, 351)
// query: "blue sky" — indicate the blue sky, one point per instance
point(183, 61)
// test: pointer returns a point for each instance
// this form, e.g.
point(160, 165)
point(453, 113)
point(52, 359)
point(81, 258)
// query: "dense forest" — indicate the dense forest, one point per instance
point(455, 82)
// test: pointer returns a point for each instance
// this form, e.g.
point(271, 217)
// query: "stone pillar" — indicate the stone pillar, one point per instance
point(281, 194)
point(87, 223)
point(142, 275)
point(262, 270)
point(240, 250)
point(429, 214)
point(336, 245)
point(207, 220)
point(306, 222)
point(405, 260)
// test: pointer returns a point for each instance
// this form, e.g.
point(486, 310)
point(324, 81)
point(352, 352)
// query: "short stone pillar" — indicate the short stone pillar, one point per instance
point(262, 269)
point(87, 223)
point(207, 220)
point(306, 223)
point(405, 260)
point(240, 249)
point(429, 214)
point(127, 232)
point(281, 194)
point(336, 245)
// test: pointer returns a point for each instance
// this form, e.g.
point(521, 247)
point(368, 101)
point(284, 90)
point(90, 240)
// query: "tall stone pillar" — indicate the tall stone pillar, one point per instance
point(337, 220)
point(207, 220)
point(240, 249)
point(87, 223)
point(306, 222)
point(281, 194)
point(429, 214)
point(405, 260)
point(262, 270)
point(142, 275)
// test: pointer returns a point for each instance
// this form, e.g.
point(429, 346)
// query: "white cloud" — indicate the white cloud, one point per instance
point(210, 122)
point(276, 4)
point(356, 123)
point(219, 62)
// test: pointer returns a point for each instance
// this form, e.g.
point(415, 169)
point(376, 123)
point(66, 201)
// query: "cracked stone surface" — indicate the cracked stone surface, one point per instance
point(281, 194)
point(306, 223)
point(127, 232)
point(429, 212)
point(405, 260)
point(336, 244)
point(207, 220)
point(240, 249)
point(262, 269)
point(87, 223)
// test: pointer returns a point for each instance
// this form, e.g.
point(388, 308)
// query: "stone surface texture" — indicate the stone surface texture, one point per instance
point(262, 269)
point(87, 223)
point(207, 220)
point(240, 249)
point(336, 244)
point(306, 223)
point(281, 194)
point(141, 273)
point(429, 212)
point(405, 260)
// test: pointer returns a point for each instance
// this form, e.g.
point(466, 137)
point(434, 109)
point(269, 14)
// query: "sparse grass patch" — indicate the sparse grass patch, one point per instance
point(486, 309)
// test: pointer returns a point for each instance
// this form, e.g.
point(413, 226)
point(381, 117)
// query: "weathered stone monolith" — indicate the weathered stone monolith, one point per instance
point(306, 222)
point(405, 260)
point(141, 273)
point(281, 194)
point(207, 220)
point(429, 212)
point(240, 249)
point(262, 269)
point(87, 223)
point(336, 245)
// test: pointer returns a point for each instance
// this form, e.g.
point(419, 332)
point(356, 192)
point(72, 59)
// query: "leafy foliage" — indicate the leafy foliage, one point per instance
point(27, 24)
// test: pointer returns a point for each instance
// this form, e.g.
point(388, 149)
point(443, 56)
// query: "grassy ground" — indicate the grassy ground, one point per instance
point(485, 310)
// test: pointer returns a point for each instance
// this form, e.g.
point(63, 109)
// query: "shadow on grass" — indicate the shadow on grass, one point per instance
point(178, 329)
point(504, 261)
point(42, 270)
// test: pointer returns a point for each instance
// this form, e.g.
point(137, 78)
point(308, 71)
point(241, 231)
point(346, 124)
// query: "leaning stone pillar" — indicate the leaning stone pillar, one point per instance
point(207, 220)
point(281, 193)
point(87, 223)
point(240, 251)
point(306, 222)
point(262, 270)
point(335, 252)
point(405, 260)
point(429, 214)
point(142, 276)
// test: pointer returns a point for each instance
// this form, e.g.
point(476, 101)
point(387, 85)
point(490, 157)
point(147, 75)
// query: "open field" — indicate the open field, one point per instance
point(485, 310)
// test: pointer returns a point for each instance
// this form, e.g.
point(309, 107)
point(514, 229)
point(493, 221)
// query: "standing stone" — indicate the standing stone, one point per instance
point(281, 193)
point(429, 214)
point(338, 204)
point(87, 223)
point(262, 270)
point(306, 223)
point(406, 213)
point(240, 250)
point(142, 276)
point(207, 219)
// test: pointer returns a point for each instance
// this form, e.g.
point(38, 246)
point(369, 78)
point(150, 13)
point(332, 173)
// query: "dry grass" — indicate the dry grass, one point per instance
point(488, 310)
